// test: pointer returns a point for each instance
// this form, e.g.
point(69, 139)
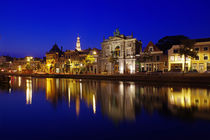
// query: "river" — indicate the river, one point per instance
point(50, 108)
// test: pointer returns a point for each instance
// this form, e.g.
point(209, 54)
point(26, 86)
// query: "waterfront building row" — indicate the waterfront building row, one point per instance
point(119, 54)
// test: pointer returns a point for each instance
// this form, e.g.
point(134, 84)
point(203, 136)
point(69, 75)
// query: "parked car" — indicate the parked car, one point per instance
point(193, 71)
point(175, 70)
point(208, 71)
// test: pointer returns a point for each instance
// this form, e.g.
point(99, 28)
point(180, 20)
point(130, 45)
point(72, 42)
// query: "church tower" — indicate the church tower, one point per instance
point(78, 46)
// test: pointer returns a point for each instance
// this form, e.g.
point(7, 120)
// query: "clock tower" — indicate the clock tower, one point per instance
point(78, 46)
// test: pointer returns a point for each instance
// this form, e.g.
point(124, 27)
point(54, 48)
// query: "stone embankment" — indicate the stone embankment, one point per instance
point(177, 78)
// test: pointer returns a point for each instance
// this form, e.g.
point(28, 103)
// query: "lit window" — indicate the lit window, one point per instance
point(172, 58)
point(205, 101)
point(179, 58)
point(194, 66)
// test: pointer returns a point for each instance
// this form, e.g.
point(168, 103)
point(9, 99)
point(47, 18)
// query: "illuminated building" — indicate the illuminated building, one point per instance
point(201, 63)
point(53, 58)
point(175, 61)
point(152, 59)
point(118, 54)
point(73, 61)
point(27, 64)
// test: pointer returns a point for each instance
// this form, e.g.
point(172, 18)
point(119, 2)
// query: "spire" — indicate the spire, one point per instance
point(78, 46)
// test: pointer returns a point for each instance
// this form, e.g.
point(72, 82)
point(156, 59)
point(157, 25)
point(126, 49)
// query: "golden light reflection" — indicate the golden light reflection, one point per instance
point(77, 106)
point(28, 91)
point(119, 101)
point(19, 81)
point(49, 89)
point(189, 98)
point(69, 94)
point(94, 104)
point(80, 85)
point(180, 97)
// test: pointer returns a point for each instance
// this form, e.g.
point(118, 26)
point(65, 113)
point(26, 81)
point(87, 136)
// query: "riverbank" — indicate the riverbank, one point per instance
point(192, 78)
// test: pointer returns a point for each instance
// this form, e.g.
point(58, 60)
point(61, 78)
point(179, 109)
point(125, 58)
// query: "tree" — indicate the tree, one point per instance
point(167, 42)
point(187, 50)
point(89, 60)
point(28, 68)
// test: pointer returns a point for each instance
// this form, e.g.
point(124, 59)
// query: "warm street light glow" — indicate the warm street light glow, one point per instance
point(19, 68)
point(29, 58)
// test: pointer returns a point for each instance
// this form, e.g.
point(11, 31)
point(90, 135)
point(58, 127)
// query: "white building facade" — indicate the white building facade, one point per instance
point(118, 54)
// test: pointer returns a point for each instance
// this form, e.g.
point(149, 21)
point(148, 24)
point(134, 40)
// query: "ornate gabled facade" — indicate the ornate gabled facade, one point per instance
point(118, 54)
point(53, 59)
point(152, 59)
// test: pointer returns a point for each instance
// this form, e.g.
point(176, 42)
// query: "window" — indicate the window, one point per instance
point(117, 51)
point(196, 101)
point(194, 66)
point(128, 52)
point(165, 63)
point(172, 58)
point(196, 49)
point(150, 49)
point(150, 67)
point(147, 67)
point(175, 50)
point(208, 66)
point(179, 58)
point(205, 101)
point(158, 58)
point(201, 67)
point(205, 48)
point(205, 57)
point(197, 58)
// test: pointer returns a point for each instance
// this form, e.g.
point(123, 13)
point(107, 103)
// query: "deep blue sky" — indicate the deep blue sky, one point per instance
point(31, 27)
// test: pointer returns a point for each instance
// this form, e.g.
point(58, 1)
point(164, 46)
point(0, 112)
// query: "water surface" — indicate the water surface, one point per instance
point(50, 108)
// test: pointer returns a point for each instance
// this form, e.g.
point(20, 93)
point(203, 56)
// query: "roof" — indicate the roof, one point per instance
point(153, 45)
point(202, 40)
point(55, 49)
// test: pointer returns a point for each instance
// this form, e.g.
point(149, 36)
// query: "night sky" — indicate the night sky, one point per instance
point(31, 27)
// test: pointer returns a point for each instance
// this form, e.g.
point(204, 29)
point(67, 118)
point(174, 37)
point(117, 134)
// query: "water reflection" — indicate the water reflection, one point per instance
point(119, 101)
point(28, 91)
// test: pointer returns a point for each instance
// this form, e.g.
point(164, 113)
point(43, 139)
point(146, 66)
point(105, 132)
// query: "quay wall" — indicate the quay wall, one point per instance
point(146, 78)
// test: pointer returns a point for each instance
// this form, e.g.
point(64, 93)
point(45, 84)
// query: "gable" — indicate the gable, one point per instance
point(151, 47)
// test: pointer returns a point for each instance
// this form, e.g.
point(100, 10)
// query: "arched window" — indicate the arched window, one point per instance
point(117, 51)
